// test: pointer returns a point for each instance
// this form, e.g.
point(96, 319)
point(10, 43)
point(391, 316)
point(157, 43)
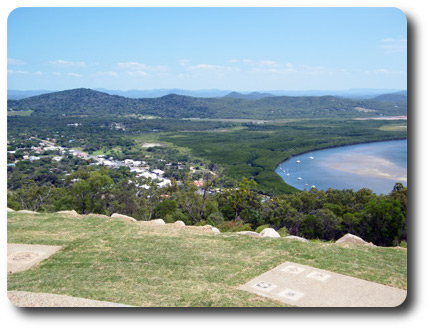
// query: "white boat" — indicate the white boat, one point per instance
point(311, 157)
point(299, 178)
point(312, 186)
point(288, 174)
point(298, 161)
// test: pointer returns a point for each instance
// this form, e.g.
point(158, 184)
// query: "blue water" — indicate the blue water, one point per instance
point(377, 166)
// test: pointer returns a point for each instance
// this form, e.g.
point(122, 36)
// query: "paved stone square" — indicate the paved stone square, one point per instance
point(305, 286)
point(21, 257)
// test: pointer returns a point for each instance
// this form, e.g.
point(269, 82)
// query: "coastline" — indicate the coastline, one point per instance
point(362, 163)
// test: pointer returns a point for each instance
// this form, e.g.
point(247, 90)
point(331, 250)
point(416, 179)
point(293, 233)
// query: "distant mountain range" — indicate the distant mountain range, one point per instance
point(250, 95)
point(401, 97)
point(87, 102)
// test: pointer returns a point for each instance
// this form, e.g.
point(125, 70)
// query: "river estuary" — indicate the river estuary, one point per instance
point(377, 166)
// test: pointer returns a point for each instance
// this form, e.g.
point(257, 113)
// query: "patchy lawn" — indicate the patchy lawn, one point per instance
point(150, 265)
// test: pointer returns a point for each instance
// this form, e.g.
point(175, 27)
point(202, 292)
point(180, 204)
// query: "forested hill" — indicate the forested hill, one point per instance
point(78, 102)
point(400, 97)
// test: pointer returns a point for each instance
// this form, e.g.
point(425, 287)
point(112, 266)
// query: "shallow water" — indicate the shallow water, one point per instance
point(377, 166)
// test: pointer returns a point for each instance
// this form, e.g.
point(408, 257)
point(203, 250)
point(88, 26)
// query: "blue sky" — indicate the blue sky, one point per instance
point(240, 49)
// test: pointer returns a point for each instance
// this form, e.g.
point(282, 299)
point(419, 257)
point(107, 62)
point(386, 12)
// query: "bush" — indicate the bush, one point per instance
point(259, 229)
point(283, 232)
point(215, 218)
point(234, 226)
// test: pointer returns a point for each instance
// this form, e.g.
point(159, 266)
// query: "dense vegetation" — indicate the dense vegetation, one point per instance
point(88, 102)
point(311, 214)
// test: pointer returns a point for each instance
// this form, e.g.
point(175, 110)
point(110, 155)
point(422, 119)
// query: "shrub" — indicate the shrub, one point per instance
point(283, 232)
point(259, 229)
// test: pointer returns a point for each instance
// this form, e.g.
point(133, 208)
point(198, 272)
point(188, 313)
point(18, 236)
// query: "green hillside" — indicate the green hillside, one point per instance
point(89, 103)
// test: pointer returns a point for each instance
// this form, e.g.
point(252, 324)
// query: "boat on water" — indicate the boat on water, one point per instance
point(311, 157)
point(299, 178)
point(298, 161)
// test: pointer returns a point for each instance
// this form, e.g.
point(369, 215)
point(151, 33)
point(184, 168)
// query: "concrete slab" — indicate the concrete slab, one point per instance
point(305, 286)
point(21, 257)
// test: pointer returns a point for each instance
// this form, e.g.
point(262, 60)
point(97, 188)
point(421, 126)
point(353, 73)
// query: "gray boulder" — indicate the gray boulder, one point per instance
point(179, 223)
point(28, 212)
point(215, 230)
point(248, 233)
point(296, 238)
point(71, 212)
point(352, 239)
point(158, 222)
point(122, 216)
point(269, 232)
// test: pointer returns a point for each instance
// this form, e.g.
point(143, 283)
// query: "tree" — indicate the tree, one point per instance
point(331, 224)
point(241, 196)
point(311, 227)
point(384, 221)
point(91, 194)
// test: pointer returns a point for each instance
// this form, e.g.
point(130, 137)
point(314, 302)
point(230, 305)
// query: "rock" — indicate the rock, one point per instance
point(122, 216)
point(179, 223)
point(28, 212)
point(296, 238)
point(248, 233)
point(10, 210)
point(97, 215)
point(351, 239)
point(158, 222)
point(269, 232)
point(215, 230)
point(71, 212)
point(207, 226)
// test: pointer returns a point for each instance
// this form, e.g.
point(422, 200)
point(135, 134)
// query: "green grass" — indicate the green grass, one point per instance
point(25, 113)
point(147, 265)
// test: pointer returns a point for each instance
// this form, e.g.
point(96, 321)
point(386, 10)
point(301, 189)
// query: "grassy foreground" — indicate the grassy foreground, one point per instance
point(150, 265)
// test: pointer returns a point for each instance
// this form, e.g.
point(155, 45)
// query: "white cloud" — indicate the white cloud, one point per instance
point(68, 63)
point(218, 69)
point(14, 61)
point(138, 73)
point(383, 71)
point(392, 45)
point(36, 73)
point(72, 74)
point(136, 66)
point(108, 74)
point(184, 62)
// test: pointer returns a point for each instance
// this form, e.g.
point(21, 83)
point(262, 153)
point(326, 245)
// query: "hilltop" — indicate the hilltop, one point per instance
point(87, 102)
point(144, 264)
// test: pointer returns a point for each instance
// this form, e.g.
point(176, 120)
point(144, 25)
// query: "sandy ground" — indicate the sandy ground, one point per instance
point(359, 164)
point(385, 118)
point(30, 299)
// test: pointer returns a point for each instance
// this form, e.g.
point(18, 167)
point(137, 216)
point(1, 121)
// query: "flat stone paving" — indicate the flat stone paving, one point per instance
point(21, 257)
point(305, 286)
